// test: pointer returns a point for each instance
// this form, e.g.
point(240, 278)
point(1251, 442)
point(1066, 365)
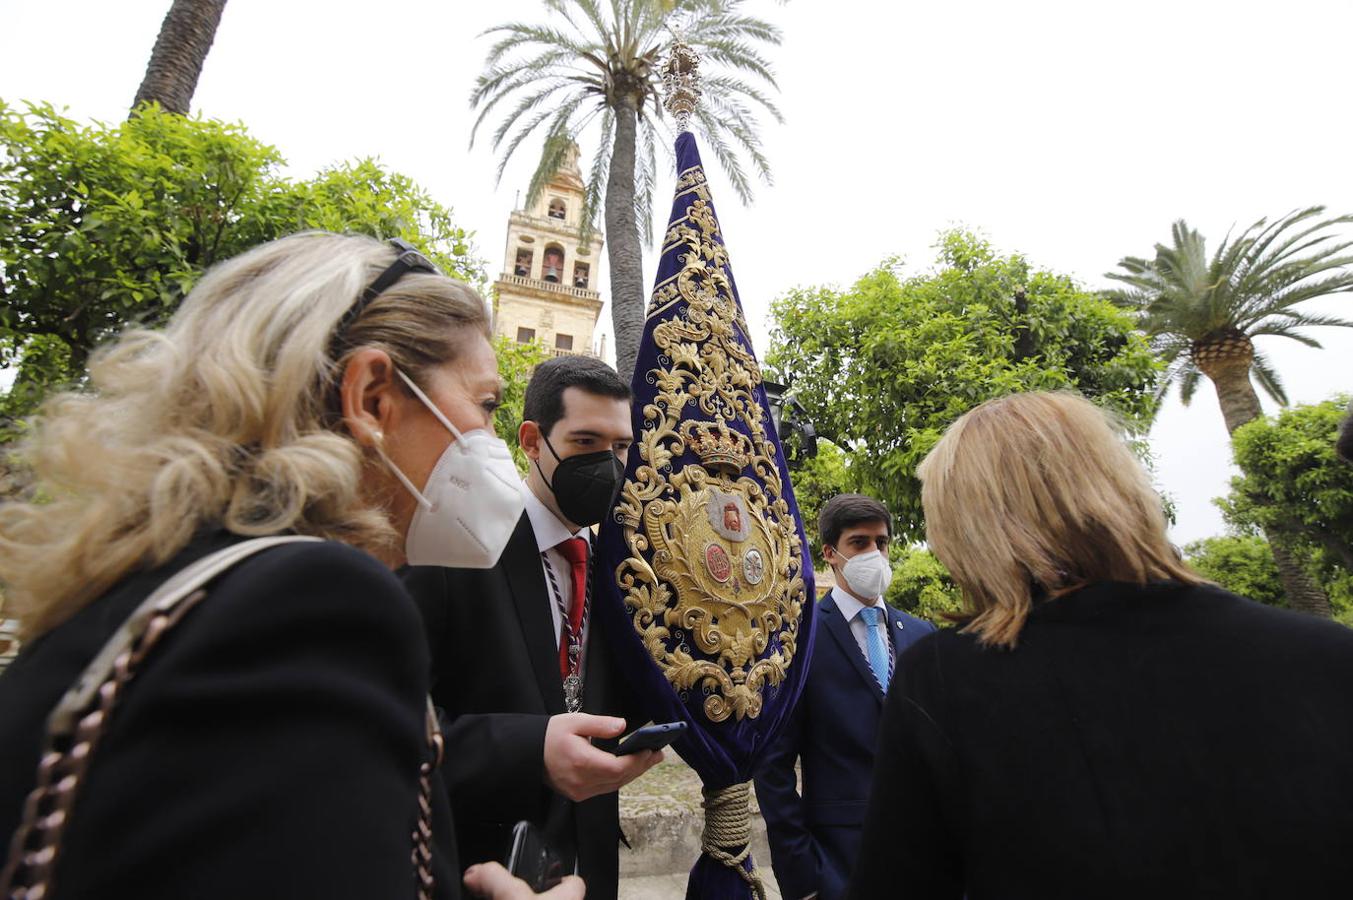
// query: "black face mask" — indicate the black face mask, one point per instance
point(585, 486)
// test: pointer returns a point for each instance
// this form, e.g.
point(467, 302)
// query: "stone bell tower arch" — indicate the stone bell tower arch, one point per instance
point(547, 292)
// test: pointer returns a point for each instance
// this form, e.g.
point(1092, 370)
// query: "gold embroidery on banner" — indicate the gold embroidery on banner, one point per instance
point(715, 561)
point(692, 177)
point(663, 295)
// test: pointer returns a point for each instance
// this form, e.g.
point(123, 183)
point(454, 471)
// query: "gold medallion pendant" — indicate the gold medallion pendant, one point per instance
point(713, 583)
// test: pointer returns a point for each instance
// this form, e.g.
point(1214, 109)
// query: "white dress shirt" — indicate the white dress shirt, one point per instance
point(550, 533)
point(850, 610)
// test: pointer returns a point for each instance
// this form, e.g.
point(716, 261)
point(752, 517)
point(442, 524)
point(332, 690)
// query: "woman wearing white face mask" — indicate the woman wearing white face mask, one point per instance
point(196, 713)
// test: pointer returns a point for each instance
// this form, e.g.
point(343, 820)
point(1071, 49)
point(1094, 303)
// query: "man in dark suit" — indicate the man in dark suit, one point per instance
point(521, 673)
point(814, 837)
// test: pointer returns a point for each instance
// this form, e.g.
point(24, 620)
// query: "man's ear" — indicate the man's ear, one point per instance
point(528, 438)
point(367, 395)
point(828, 554)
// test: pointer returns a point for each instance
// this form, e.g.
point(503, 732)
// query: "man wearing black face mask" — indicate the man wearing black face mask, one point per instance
point(521, 673)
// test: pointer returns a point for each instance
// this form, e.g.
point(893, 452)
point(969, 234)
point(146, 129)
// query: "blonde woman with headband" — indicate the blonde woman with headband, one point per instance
point(222, 690)
point(1105, 723)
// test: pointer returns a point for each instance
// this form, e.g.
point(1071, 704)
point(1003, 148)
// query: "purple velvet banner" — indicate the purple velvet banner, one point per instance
point(712, 583)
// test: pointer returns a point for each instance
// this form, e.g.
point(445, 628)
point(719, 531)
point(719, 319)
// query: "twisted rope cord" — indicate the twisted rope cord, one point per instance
point(728, 824)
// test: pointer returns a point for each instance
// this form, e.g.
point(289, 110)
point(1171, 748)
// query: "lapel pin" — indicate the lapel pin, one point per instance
point(898, 624)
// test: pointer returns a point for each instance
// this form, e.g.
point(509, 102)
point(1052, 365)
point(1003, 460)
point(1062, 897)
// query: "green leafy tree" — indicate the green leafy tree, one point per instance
point(106, 226)
point(596, 70)
point(1293, 481)
point(922, 585)
point(1203, 313)
point(364, 197)
point(1241, 563)
point(187, 33)
point(884, 367)
point(1295, 485)
point(818, 479)
point(516, 361)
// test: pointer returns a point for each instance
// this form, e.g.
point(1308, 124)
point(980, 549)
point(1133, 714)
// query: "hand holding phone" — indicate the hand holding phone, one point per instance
point(650, 737)
point(579, 756)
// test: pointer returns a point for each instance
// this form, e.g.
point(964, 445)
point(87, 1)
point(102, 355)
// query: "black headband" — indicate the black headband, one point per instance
point(408, 260)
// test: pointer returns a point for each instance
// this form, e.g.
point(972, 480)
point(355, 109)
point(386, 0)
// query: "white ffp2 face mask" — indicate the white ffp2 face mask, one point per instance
point(471, 503)
point(868, 574)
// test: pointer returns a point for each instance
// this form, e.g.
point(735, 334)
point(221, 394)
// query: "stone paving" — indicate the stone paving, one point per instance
point(660, 814)
point(669, 887)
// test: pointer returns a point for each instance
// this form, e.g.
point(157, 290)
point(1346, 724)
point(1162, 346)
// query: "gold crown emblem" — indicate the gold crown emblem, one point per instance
point(717, 445)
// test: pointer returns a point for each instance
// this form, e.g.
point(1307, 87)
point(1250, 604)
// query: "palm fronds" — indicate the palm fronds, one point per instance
point(1249, 286)
point(567, 79)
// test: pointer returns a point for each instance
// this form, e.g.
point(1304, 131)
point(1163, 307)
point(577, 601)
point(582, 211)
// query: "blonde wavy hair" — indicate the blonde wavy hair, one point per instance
point(227, 419)
point(1038, 492)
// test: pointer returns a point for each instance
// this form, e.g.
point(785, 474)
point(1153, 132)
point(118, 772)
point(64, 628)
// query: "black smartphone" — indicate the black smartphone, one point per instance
point(650, 737)
point(531, 859)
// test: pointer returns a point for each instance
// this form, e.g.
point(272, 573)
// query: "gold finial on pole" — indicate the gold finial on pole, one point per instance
point(681, 82)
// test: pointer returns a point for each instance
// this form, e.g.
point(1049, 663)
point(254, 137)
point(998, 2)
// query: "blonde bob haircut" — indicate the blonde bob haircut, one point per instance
point(227, 419)
point(1037, 493)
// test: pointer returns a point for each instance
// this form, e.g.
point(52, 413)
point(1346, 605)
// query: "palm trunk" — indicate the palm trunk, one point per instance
point(1303, 594)
point(176, 62)
point(1239, 405)
point(1235, 393)
point(624, 250)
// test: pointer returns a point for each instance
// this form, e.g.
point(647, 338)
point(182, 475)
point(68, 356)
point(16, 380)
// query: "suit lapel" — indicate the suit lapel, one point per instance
point(839, 628)
point(902, 634)
point(531, 596)
point(896, 635)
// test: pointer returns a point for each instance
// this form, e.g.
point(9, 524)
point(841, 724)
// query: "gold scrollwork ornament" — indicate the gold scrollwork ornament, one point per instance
point(713, 582)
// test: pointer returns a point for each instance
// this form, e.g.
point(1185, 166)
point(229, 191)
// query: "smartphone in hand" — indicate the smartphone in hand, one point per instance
point(650, 737)
point(531, 859)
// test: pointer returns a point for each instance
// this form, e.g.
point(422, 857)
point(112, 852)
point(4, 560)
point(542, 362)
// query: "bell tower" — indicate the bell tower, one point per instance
point(547, 292)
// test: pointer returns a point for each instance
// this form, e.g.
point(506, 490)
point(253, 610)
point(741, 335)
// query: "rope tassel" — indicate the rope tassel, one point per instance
point(727, 836)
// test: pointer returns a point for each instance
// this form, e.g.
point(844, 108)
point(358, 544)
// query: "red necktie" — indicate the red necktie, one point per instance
point(575, 551)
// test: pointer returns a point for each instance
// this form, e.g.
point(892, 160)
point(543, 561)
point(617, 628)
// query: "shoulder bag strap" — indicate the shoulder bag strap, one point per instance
point(79, 719)
point(162, 602)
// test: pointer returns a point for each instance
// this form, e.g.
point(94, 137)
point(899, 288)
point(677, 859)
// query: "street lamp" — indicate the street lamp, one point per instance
point(798, 437)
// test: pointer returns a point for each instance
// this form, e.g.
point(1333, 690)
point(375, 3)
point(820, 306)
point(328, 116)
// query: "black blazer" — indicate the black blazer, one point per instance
point(268, 747)
point(832, 733)
point(1163, 741)
point(495, 676)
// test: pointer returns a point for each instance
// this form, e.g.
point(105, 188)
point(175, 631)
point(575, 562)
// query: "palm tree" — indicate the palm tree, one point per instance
point(180, 50)
point(1203, 314)
point(597, 68)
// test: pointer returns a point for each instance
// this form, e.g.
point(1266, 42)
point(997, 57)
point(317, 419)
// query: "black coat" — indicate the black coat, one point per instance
point(814, 839)
point(1164, 741)
point(495, 676)
point(268, 747)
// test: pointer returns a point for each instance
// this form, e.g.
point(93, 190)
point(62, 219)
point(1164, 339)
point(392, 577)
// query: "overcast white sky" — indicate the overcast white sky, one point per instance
point(1073, 132)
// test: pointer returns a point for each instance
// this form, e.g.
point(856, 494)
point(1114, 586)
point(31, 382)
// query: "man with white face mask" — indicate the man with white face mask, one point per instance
point(814, 836)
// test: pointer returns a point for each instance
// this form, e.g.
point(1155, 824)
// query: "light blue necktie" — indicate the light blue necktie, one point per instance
point(873, 642)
